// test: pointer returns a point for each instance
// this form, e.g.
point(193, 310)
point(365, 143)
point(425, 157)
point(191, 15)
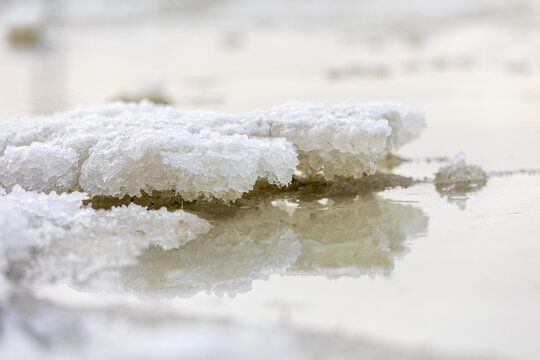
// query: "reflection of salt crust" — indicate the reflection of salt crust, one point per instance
point(122, 148)
point(71, 240)
point(354, 238)
point(150, 253)
point(15, 242)
point(457, 175)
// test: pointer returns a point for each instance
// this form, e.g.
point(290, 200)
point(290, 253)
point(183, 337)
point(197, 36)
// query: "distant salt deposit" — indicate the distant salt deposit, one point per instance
point(120, 149)
point(456, 175)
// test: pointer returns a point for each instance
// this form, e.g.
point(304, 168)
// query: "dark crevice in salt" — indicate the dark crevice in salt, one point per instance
point(300, 188)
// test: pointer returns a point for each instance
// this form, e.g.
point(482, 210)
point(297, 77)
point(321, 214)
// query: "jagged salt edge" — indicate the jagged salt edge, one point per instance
point(85, 240)
point(122, 148)
point(457, 171)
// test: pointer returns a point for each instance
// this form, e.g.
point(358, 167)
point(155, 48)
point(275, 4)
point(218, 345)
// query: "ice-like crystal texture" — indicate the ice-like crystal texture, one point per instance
point(122, 149)
point(71, 241)
point(456, 175)
point(15, 241)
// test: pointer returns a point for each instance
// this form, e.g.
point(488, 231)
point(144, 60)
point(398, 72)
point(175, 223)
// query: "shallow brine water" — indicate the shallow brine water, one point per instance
point(388, 267)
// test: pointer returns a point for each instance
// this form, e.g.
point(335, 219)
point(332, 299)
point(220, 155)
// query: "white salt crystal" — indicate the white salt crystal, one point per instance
point(15, 241)
point(83, 240)
point(122, 149)
point(456, 175)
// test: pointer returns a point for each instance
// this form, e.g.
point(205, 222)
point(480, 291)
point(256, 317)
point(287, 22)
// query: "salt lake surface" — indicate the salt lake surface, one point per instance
point(401, 272)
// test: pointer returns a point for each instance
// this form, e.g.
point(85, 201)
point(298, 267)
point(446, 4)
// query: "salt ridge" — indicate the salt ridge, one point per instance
point(120, 149)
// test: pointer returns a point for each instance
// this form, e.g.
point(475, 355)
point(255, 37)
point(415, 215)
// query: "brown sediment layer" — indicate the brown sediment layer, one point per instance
point(303, 189)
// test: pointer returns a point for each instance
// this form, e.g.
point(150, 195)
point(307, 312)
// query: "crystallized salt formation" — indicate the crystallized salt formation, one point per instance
point(15, 241)
point(73, 241)
point(122, 149)
point(456, 175)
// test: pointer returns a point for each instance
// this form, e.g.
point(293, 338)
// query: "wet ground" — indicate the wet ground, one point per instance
point(407, 267)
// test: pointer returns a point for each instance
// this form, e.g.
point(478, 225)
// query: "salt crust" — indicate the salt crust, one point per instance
point(119, 148)
point(71, 241)
point(456, 175)
point(15, 240)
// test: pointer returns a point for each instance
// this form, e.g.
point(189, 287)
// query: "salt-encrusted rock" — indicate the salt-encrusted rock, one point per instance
point(456, 175)
point(74, 241)
point(122, 149)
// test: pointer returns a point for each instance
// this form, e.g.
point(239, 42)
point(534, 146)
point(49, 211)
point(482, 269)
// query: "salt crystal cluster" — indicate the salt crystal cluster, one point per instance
point(51, 166)
point(456, 175)
point(122, 149)
point(72, 241)
point(15, 241)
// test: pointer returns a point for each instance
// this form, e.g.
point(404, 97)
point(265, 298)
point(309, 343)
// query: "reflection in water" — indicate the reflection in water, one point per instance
point(458, 196)
point(348, 236)
point(356, 237)
point(333, 228)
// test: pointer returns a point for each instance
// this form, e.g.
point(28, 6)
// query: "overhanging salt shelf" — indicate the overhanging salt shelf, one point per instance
point(120, 149)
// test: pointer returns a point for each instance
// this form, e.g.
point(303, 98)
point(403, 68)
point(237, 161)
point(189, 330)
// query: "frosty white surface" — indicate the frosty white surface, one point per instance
point(15, 241)
point(346, 139)
point(122, 149)
point(68, 240)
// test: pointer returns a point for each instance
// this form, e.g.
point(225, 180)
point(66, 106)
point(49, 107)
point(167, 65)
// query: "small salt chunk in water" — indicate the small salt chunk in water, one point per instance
point(456, 175)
